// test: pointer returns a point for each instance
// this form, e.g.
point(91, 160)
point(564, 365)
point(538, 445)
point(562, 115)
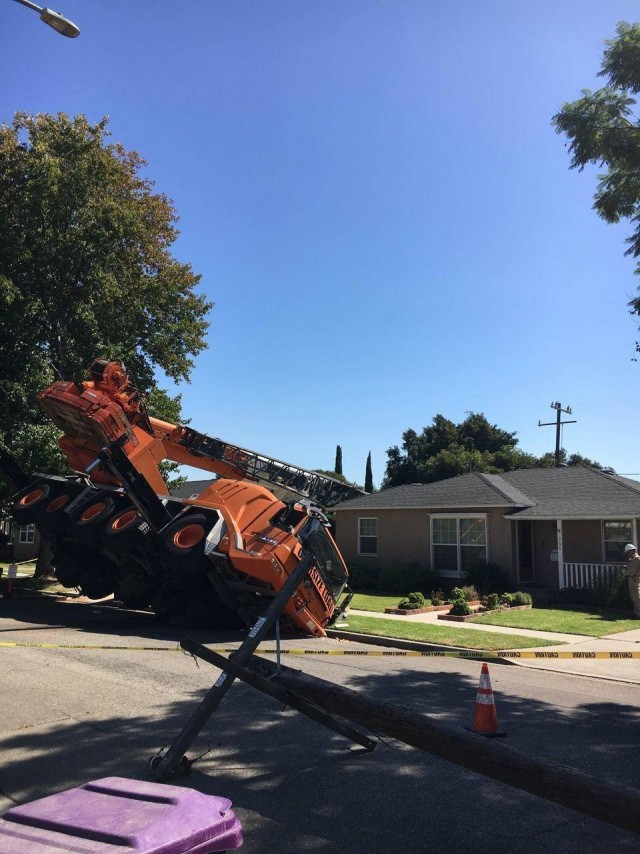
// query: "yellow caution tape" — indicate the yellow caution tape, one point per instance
point(599, 655)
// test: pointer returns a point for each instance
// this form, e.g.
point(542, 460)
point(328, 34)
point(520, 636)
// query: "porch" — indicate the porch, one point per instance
point(588, 575)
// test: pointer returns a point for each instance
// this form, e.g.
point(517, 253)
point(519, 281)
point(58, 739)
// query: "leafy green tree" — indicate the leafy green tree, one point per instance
point(338, 464)
point(86, 271)
point(445, 449)
point(603, 129)
point(549, 461)
point(368, 476)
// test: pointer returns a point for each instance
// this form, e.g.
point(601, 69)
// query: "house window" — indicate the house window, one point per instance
point(368, 536)
point(615, 536)
point(27, 533)
point(458, 543)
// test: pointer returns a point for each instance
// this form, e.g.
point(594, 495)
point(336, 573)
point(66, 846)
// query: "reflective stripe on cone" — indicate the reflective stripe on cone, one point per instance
point(485, 718)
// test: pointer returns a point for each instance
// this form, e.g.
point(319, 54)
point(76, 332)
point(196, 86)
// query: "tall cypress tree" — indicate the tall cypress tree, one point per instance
point(338, 464)
point(368, 477)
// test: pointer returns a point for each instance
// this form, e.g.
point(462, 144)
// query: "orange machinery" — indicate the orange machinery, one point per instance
point(218, 556)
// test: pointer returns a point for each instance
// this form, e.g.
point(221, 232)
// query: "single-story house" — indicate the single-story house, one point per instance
point(554, 528)
point(18, 542)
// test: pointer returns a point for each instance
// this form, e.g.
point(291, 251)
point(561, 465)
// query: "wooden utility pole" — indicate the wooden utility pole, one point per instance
point(585, 793)
point(558, 423)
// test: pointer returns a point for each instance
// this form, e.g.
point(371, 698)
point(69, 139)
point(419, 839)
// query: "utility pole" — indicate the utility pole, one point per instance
point(558, 423)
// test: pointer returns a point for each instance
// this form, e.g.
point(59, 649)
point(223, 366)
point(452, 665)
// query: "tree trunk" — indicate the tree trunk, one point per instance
point(44, 567)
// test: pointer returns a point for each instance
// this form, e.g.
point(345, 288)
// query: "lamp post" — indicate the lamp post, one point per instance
point(53, 19)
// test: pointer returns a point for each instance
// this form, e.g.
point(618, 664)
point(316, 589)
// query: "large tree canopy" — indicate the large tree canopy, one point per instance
point(86, 271)
point(445, 449)
point(603, 129)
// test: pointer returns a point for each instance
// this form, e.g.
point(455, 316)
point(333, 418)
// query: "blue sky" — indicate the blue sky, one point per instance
point(378, 206)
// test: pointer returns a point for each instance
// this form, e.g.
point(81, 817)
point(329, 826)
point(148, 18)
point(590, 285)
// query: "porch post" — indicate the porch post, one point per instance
point(561, 573)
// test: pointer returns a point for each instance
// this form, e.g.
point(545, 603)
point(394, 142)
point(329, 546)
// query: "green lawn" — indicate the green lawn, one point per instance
point(375, 601)
point(573, 621)
point(444, 635)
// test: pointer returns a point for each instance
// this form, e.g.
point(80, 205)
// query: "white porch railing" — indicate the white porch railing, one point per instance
point(589, 575)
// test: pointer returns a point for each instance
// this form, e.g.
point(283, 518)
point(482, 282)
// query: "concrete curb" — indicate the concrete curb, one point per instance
point(414, 646)
point(417, 646)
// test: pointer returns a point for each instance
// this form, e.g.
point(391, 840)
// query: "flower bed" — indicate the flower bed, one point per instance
point(417, 610)
point(405, 611)
point(463, 618)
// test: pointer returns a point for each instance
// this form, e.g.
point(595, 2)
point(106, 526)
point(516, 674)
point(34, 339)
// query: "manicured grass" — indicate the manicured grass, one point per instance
point(466, 638)
point(372, 601)
point(573, 621)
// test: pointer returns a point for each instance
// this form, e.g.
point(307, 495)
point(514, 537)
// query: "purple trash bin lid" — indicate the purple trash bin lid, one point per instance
point(119, 816)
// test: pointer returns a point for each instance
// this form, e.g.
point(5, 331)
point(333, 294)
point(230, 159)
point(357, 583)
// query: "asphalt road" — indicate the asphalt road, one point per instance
point(69, 716)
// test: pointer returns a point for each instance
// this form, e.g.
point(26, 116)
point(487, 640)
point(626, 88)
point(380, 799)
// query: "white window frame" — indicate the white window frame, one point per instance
point(368, 536)
point(447, 573)
point(631, 522)
point(27, 535)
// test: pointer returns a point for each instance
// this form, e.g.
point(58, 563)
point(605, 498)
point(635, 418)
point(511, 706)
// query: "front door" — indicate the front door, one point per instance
point(526, 568)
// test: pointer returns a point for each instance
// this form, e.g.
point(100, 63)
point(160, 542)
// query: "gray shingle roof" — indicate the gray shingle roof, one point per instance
point(576, 491)
point(191, 487)
point(573, 492)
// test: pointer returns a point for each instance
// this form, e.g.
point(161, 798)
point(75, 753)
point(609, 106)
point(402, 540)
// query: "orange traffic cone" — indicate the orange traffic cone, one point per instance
point(485, 719)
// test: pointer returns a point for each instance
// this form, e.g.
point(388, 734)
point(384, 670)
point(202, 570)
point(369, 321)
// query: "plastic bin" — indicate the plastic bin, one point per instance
point(119, 816)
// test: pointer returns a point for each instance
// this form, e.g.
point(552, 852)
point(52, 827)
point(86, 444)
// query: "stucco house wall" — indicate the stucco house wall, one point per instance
point(404, 535)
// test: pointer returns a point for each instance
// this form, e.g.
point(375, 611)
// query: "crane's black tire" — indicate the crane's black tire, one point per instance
point(170, 600)
point(44, 504)
point(30, 502)
point(98, 581)
point(88, 521)
point(69, 567)
point(122, 530)
point(136, 589)
point(183, 543)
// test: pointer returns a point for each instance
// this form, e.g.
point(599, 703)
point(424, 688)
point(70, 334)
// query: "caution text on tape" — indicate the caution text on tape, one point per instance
point(599, 655)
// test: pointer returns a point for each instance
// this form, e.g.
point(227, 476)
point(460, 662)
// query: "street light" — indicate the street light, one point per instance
point(53, 19)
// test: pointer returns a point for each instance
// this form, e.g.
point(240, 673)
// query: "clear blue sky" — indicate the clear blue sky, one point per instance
point(378, 206)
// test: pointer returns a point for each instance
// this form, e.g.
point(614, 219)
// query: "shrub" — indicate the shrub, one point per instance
point(615, 596)
point(460, 608)
point(405, 575)
point(469, 592)
point(618, 594)
point(487, 577)
point(491, 602)
point(521, 598)
point(507, 599)
point(437, 597)
point(413, 600)
point(364, 577)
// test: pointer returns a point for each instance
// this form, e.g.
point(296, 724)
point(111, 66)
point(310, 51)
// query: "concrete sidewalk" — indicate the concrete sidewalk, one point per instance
point(616, 669)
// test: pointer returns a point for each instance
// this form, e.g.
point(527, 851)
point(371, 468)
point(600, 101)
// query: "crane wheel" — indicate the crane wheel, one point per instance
point(28, 508)
point(89, 519)
point(183, 542)
point(121, 532)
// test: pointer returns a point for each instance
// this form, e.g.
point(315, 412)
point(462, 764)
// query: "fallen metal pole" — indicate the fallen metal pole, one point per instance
point(268, 686)
point(607, 801)
point(164, 766)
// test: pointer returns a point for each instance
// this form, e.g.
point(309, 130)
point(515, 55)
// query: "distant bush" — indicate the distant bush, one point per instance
point(437, 597)
point(364, 577)
point(413, 601)
point(618, 594)
point(406, 575)
point(491, 602)
point(460, 608)
point(487, 577)
point(507, 599)
point(520, 598)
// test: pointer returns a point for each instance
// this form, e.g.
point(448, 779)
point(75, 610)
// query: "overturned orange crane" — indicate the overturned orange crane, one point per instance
point(219, 556)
